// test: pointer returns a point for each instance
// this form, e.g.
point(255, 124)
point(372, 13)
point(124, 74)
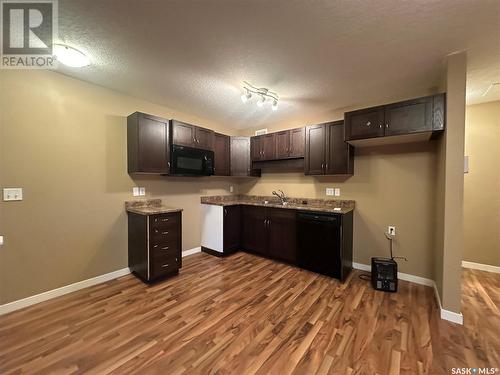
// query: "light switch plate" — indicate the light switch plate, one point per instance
point(142, 191)
point(330, 191)
point(12, 194)
point(231, 189)
point(466, 164)
point(337, 192)
point(135, 191)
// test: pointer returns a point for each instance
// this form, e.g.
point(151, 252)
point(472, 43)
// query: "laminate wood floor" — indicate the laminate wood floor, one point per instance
point(249, 315)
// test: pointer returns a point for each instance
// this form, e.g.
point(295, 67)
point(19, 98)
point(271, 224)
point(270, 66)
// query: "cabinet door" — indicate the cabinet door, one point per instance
point(254, 230)
point(269, 147)
point(183, 134)
point(221, 155)
point(315, 157)
point(153, 155)
point(283, 144)
point(256, 148)
point(340, 154)
point(411, 116)
point(232, 228)
point(364, 124)
point(297, 142)
point(282, 228)
point(204, 138)
point(240, 156)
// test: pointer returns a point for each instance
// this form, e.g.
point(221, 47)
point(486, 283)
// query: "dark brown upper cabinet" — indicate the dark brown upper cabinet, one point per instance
point(184, 134)
point(315, 157)
point(263, 147)
point(148, 148)
point(282, 144)
point(222, 155)
point(240, 163)
point(419, 117)
point(290, 143)
point(297, 142)
point(339, 154)
point(326, 152)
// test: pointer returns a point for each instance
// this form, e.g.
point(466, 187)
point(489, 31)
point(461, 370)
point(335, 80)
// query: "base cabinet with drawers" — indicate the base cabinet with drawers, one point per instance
point(154, 245)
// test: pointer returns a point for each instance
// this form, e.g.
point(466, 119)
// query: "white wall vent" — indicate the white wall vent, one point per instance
point(261, 131)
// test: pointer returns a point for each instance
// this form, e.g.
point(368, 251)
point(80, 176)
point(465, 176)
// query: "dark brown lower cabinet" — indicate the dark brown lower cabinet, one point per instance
point(254, 230)
point(282, 234)
point(232, 229)
point(154, 245)
point(269, 232)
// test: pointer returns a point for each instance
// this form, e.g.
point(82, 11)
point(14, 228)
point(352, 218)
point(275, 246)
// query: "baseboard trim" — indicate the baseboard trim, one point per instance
point(192, 251)
point(444, 314)
point(37, 298)
point(480, 266)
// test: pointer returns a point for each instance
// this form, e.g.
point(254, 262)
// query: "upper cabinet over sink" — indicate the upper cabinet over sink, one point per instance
point(410, 120)
point(286, 144)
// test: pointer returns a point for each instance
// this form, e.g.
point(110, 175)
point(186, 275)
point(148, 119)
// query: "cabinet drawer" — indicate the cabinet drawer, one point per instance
point(164, 221)
point(163, 235)
point(170, 248)
point(164, 265)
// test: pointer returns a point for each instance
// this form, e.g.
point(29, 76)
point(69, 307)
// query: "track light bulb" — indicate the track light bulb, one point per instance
point(275, 105)
point(260, 103)
point(246, 97)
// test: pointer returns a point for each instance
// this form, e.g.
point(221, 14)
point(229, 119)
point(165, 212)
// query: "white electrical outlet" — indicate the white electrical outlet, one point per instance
point(13, 194)
point(231, 189)
point(391, 230)
point(135, 191)
point(337, 192)
point(142, 191)
point(330, 191)
point(1, 240)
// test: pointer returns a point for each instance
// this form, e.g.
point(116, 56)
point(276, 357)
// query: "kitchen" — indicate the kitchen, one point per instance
point(145, 181)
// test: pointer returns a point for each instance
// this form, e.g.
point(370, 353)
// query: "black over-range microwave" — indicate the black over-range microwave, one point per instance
point(188, 161)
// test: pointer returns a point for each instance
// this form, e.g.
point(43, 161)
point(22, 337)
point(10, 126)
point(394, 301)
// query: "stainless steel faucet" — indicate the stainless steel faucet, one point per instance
point(281, 196)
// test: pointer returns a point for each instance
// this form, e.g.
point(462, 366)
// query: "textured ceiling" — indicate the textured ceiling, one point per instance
point(192, 55)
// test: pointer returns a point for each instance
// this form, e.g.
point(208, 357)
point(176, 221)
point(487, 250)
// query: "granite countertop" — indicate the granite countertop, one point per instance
point(320, 205)
point(149, 207)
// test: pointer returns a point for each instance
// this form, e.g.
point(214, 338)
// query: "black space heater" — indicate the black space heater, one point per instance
point(385, 274)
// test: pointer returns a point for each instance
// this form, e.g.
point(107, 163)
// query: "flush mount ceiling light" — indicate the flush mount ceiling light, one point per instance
point(70, 56)
point(262, 93)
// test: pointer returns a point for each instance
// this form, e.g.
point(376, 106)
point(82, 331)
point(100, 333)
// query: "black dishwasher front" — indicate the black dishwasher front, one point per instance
point(319, 242)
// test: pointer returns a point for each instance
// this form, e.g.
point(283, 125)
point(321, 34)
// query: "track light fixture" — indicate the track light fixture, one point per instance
point(262, 93)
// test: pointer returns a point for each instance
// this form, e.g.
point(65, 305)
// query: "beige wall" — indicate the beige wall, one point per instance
point(482, 184)
point(64, 142)
point(391, 186)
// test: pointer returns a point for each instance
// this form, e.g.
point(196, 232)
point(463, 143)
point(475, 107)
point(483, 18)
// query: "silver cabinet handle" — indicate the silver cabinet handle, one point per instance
point(380, 126)
point(386, 125)
point(368, 123)
point(225, 211)
point(165, 248)
point(164, 233)
point(155, 246)
point(326, 166)
point(164, 265)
